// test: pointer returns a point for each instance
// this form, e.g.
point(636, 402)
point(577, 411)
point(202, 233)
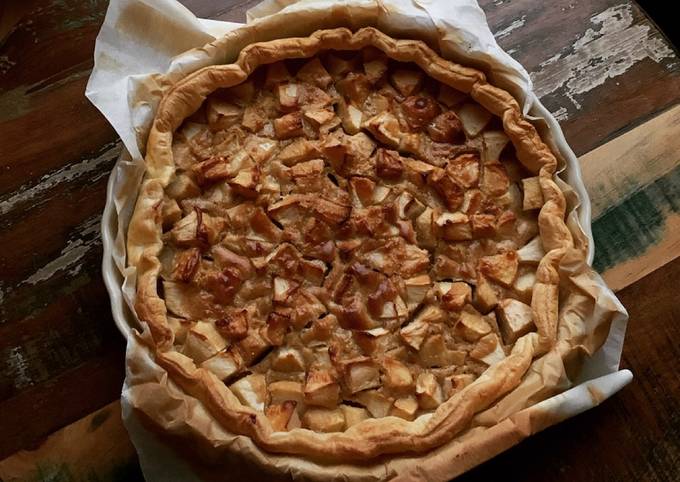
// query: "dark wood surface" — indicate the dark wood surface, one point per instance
point(601, 65)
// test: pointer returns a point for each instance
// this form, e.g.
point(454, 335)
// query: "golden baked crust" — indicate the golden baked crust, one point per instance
point(385, 269)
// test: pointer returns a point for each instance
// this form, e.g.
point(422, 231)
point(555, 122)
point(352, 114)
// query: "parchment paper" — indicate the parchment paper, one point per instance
point(146, 45)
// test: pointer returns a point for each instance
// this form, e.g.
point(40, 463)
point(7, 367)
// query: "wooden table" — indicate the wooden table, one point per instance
point(600, 65)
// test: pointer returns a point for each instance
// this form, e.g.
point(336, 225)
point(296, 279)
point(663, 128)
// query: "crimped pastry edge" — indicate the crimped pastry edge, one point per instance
point(376, 436)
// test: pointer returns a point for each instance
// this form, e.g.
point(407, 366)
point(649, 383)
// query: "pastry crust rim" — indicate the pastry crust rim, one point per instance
point(376, 436)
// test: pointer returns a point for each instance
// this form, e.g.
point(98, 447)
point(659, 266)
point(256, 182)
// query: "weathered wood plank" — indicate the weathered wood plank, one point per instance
point(600, 66)
point(45, 59)
point(41, 409)
point(39, 268)
point(56, 331)
point(232, 11)
point(103, 452)
point(634, 184)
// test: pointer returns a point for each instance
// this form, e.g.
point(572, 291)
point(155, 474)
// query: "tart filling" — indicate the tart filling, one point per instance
point(344, 238)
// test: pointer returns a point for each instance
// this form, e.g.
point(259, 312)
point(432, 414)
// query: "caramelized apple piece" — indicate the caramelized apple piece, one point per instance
point(297, 151)
point(425, 228)
point(449, 96)
point(321, 389)
point(493, 142)
point(407, 82)
point(434, 353)
point(280, 414)
point(234, 325)
point(446, 127)
point(516, 319)
point(474, 118)
point(533, 195)
point(420, 110)
point(284, 390)
point(428, 391)
point(221, 114)
point(339, 67)
point(353, 415)
point(397, 376)
point(182, 187)
point(251, 391)
point(246, 182)
point(457, 296)
point(314, 72)
point(455, 383)
point(324, 419)
point(414, 333)
point(375, 402)
point(375, 69)
point(450, 192)
point(488, 350)
point(405, 407)
point(289, 125)
point(224, 364)
point(276, 73)
point(186, 263)
point(385, 127)
point(483, 225)
point(495, 180)
point(454, 226)
point(388, 164)
point(485, 295)
point(532, 252)
point(288, 360)
point(351, 117)
point(500, 267)
point(356, 87)
point(288, 95)
point(361, 374)
point(464, 170)
point(524, 286)
point(416, 290)
point(472, 325)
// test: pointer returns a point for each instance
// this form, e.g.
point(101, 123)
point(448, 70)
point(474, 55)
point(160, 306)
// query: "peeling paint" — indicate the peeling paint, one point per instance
point(607, 50)
point(64, 175)
point(16, 102)
point(551, 60)
point(59, 276)
point(6, 64)
point(511, 28)
point(73, 252)
point(561, 114)
point(18, 368)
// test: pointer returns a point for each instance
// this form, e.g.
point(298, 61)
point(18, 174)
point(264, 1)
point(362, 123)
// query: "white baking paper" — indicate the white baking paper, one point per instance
point(146, 45)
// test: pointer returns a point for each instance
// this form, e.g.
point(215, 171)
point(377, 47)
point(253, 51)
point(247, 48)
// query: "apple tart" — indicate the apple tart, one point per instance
point(346, 246)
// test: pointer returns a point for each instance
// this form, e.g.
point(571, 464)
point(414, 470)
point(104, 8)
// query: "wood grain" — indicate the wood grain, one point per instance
point(56, 331)
point(107, 455)
point(600, 65)
point(634, 186)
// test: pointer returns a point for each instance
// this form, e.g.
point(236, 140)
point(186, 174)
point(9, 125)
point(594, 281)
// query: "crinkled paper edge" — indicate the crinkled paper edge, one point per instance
point(127, 174)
